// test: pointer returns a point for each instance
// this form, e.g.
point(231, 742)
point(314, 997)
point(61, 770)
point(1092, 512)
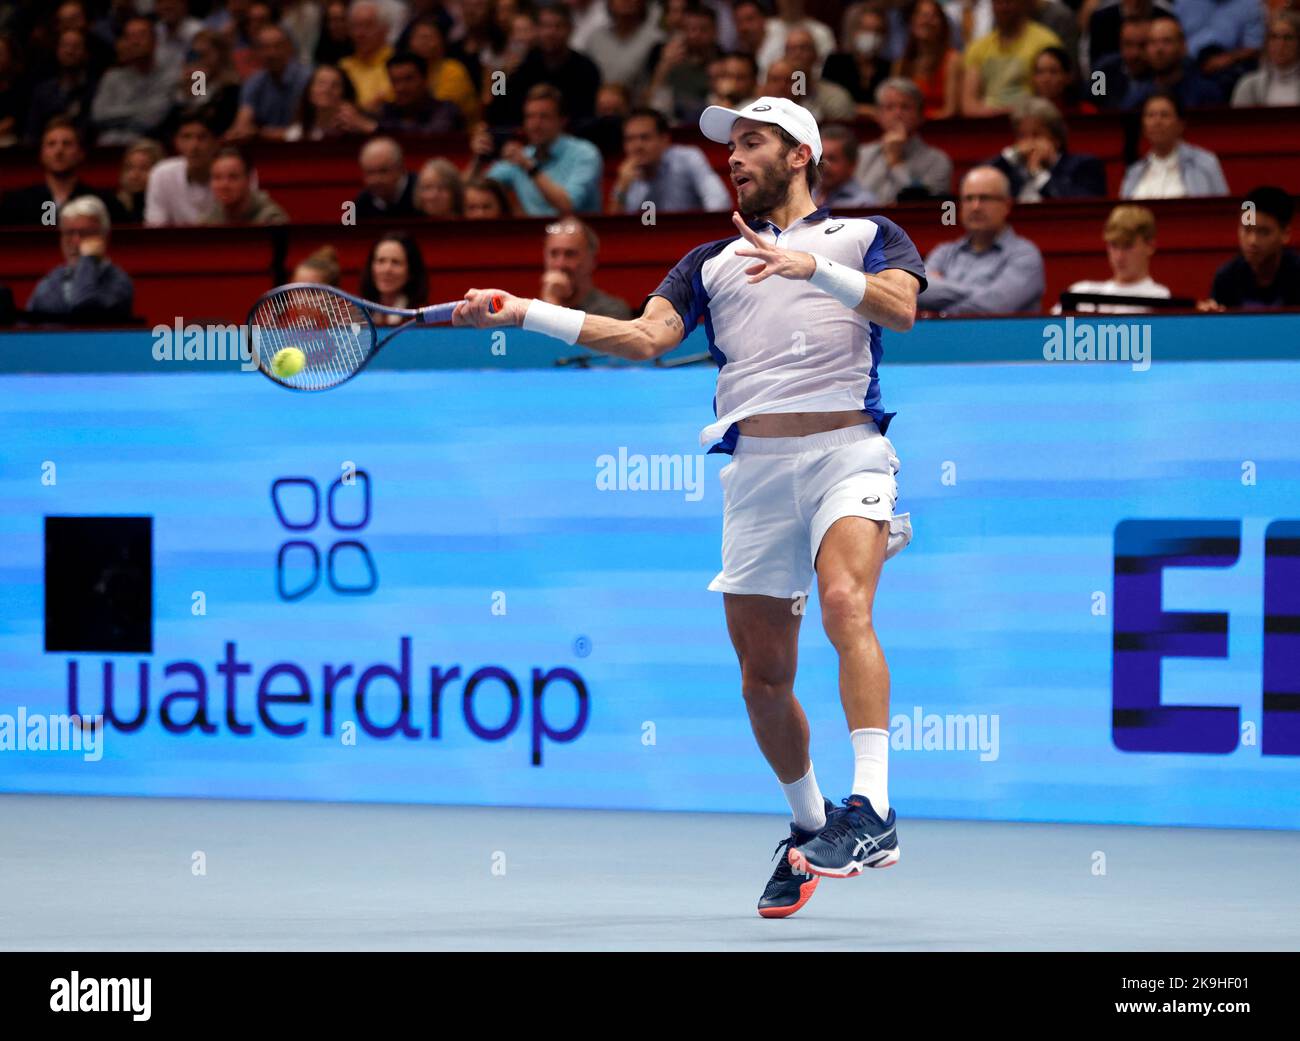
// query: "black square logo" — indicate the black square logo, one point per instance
point(99, 584)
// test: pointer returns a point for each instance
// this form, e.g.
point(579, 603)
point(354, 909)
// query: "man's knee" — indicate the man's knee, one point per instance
point(846, 612)
point(766, 682)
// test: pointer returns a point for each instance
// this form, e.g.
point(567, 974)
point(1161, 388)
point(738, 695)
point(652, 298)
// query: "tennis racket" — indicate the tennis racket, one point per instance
point(334, 330)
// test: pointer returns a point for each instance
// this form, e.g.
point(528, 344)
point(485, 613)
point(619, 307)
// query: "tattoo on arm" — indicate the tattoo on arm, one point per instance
point(674, 323)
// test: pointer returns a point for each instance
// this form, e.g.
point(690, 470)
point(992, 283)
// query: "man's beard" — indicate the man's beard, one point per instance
point(771, 188)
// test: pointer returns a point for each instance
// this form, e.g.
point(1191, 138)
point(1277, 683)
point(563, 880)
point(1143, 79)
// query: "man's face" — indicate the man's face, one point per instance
point(381, 172)
point(780, 80)
point(409, 87)
point(699, 32)
point(274, 49)
point(1049, 78)
point(760, 167)
point(566, 250)
point(1160, 123)
point(71, 50)
point(60, 152)
point(750, 27)
point(552, 31)
point(985, 203)
point(197, 144)
point(731, 79)
point(642, 142)
point(1129, 261)
point(72, 230)
point(800, 50)
point(1165, 45)
point(366, 30)
point(1262, 242)
point(541, 122)
point(1007, 14)
point(426, 41)
point(137, 41)
point(230, 182)
point(1282, 45)
point(71, 16)
point(897, 111)
point(1132, 47)
point(836, 167)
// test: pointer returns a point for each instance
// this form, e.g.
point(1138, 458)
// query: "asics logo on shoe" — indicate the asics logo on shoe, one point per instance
point(870, 840)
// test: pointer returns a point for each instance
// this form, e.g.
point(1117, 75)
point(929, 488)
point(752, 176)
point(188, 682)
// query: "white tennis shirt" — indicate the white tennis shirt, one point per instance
point(782, 345)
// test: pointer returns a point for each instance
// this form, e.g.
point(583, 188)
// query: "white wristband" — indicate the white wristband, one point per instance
point(846, 284)
point(564, 323)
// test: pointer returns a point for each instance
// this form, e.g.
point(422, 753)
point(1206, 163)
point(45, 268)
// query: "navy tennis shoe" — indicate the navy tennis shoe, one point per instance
point(855, 838)
point(787, 890)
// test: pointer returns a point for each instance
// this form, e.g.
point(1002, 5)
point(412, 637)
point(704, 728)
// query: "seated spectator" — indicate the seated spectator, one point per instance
point(1172, 168)
point(671, 177)
point(679, 76)
point(837, 189)
point(61, 161)
point(320, 267)
point(791, 14)
point(1171, 70)
point(621, 48)
point(449, 80)
point(1121, 70)
point(513, 40)
point(210, 55)
point(550, 61)
point(1054, 80)
point(569, 264)
point(1265, 275)
point(999, 65)
point(1224, 37)
point(733, 80)
point(931, 61)
point(179, 189)
point(367, 65)
point(235, 200)
point(389, 190)
point(174, 31)
point(413, 110)
point(825, 99)
point(70, 17)
point(1038, 164)
point(126, 204)
point(87, 285)
point(485, 199)
point(1105, 25)
point(1277, 80)
point(335, 41)
point(900, 162)
point(1130, 237)
point(991, 269)
point(328, 108)
point(255, 17)
point(395, 275)
point(68, 93)
point(270, 98)
point(438, 190)
point(132, 99)
point(857, 72)
point(554, 172)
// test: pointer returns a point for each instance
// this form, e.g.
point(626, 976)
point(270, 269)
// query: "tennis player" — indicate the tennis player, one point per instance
point(793, 305)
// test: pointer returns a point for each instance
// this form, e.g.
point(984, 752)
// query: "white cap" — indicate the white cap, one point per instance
point(795, 120)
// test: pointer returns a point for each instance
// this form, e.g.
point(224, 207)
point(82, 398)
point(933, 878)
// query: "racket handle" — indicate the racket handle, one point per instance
point(440, 314)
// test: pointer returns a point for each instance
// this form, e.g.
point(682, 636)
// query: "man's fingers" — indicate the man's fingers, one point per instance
point(745, 229)
point(755, 269)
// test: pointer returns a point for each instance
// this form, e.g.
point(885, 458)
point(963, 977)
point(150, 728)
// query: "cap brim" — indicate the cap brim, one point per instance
point(716, 121)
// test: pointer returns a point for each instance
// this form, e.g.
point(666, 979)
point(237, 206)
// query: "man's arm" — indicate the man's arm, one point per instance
point(656, 332)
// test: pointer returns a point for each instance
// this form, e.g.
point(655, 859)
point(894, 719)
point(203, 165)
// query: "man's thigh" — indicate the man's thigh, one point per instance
point(765, 633)
point(851, 557)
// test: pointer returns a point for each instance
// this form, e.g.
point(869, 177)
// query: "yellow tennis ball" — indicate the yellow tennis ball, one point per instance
point(288, 361)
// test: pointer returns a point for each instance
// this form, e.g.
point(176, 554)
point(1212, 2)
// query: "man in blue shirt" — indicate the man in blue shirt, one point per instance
point(992, 270)
point(268, 101)
point(1172, 69)
point(554, 173)
point(672, 177)
point(87, 285)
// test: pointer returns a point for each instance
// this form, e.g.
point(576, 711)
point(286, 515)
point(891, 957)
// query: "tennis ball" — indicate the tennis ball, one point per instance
point(288, 361)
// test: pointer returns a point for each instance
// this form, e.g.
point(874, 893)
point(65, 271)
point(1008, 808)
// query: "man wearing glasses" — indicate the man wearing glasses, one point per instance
point(990, 270)
point(87, 285)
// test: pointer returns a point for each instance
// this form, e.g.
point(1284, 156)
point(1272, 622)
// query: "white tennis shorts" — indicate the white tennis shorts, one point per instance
point(782, 494)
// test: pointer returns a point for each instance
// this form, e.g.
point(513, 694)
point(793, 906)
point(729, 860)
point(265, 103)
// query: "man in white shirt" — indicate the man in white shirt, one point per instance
point(1130, 237)
point(178, 191)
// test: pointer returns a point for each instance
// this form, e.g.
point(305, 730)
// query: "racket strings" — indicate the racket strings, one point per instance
point(334, 335)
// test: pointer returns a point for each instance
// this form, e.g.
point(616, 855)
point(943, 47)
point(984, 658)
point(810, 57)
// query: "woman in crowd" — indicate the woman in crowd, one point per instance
point(1277, 80)
point(126, 205)
point(321, 267)
point(327, 109)
point(438, 190)
point(486, 199)
point(1054, 80)
point(395, 275)
point(930, 61)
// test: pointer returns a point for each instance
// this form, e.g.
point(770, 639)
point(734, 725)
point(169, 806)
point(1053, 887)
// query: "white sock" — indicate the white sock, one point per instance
point(871, 767)
point(806, 802)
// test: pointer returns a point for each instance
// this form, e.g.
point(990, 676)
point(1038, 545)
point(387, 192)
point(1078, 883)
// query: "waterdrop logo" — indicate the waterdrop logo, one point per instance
point(346, 563)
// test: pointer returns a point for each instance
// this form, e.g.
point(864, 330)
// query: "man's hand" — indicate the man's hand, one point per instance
point(473, 310)
point(557, 288)
point(92, 246)
point(892, 143)
point(513, 152)
point(772, 260)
